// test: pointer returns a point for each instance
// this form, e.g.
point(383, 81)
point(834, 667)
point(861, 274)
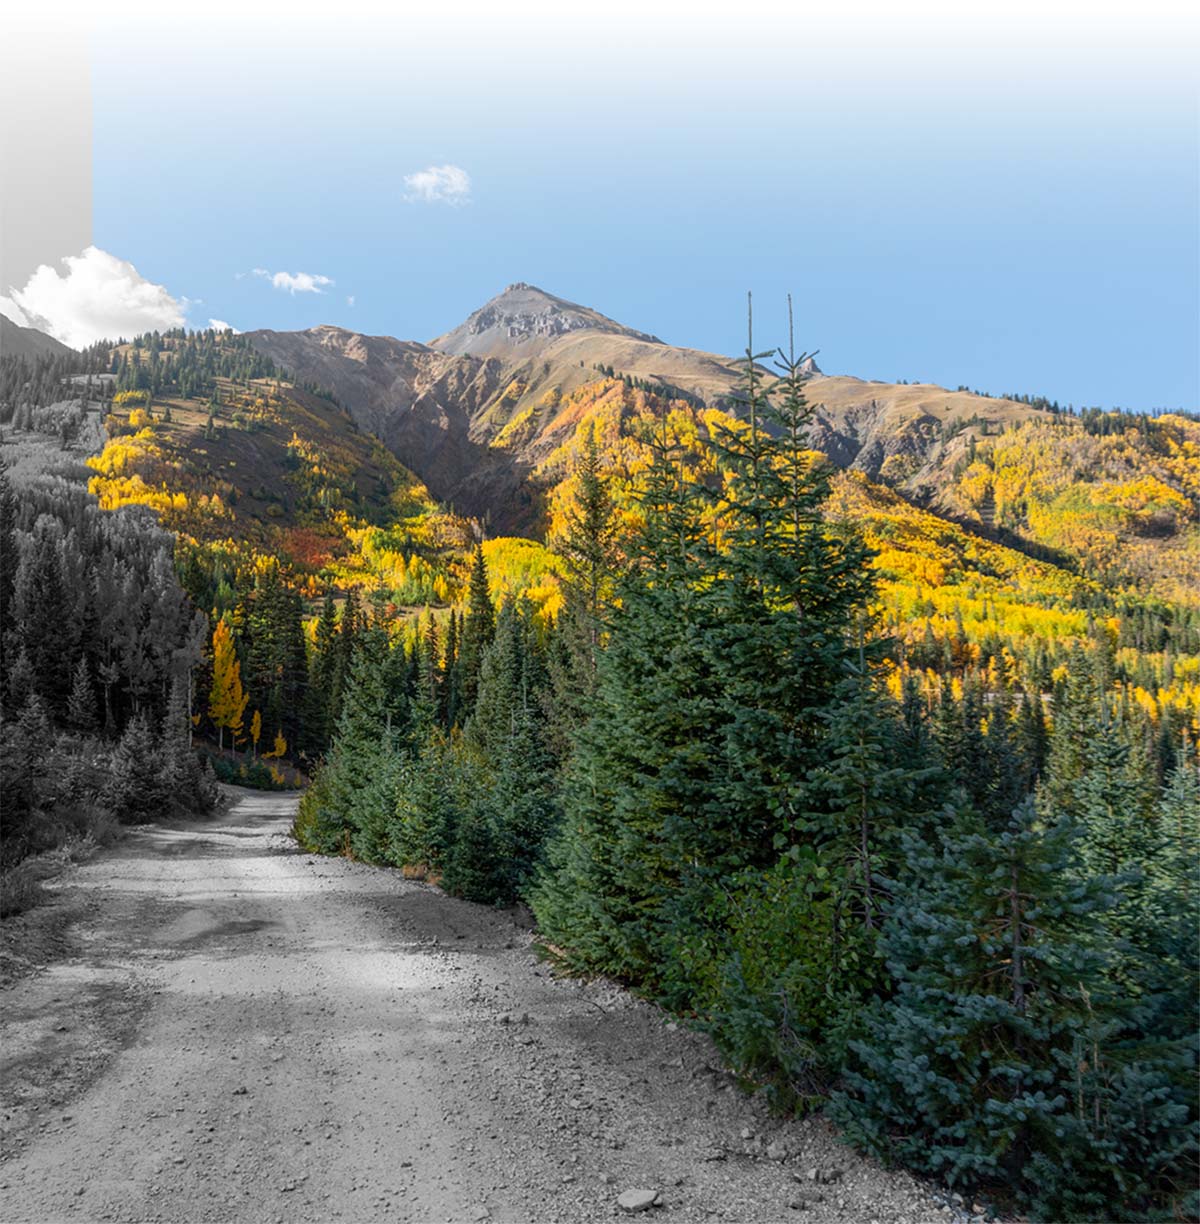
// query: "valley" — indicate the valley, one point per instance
point(737, 693)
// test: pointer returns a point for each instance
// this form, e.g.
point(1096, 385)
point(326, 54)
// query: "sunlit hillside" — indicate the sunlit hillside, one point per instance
point(1116, 493)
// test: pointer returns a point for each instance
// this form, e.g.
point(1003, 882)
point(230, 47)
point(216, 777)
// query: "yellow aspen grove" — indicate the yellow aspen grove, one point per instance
point(256, 730)
point(280, 746)
point(226, 700)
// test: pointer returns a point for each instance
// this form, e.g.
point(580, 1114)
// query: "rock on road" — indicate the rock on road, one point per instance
point(238, 1031)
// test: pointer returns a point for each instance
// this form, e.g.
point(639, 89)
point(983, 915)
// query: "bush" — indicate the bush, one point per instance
point(256, 775)
point(780, 987)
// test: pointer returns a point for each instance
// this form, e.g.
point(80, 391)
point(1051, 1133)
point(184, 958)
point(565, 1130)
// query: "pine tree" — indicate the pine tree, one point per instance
point(82, 713)
point(43, 613)
point(642, 760)
point(317, 702)
point(589, 551)
point(24, 750)
point(450, 681)
point(862, 795)
point(135, 789)
point(8, 574)
point(509, 734)
point(478, 629)
point(992, 1063)
point(428, 805)
point(180, 774)
point(351, 804)
point(689, 771)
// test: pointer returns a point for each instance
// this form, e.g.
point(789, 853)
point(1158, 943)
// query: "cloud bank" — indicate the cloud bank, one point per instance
point(221, 325)
point(295, 282)
point(438, 185)
point(98, 297)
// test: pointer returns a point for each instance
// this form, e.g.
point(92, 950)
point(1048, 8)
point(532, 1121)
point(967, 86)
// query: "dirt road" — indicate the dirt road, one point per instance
point(237, 1031)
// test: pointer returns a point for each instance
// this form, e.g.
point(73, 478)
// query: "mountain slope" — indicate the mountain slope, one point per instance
point(485, 413)
point(28, 342)
point(446, 408)
point(524, 314)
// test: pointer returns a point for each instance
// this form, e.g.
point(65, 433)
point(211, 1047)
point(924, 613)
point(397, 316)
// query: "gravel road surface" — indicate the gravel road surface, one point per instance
point(229, 1029)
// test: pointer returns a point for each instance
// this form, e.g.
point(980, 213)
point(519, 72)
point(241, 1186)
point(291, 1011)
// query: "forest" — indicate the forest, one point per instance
point(907, 863)
point(905, 817)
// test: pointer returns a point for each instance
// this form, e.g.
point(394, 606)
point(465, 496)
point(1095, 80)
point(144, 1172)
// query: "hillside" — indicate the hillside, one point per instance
point(442, 407)
point(27, 342)
point(490, 416)
point(273, 471)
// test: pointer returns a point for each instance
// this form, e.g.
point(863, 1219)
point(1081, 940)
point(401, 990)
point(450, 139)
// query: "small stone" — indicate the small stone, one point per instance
point(747, 1133)
point(776, 1151)
point(480, 1214)
point(241, 1091)
point(637, 1200)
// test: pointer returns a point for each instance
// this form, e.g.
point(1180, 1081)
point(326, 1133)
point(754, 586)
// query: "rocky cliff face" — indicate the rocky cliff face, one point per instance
point(525, 316)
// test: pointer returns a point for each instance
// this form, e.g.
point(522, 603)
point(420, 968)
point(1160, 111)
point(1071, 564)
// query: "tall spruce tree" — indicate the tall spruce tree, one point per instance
point(588, 546)
point(82, 713)
point(478, 629)
point(641, 761)
point(351, 804)
point(691, 767)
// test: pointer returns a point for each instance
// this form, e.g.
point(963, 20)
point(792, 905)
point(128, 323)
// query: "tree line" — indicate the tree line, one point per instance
point(100, 646)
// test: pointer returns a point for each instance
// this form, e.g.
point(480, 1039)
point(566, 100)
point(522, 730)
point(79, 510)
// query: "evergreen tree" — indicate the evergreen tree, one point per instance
point(690, 769)
point(318, 697)
point(450, 681)
point(135, 790)
point(429, 799)
point(43, 615)
point(993, 1062)
point(862, 795)
point(350, 806)
point(589, 551)
point(8, 575)
point(182, 779)
point(478, 629)
point(82, 713)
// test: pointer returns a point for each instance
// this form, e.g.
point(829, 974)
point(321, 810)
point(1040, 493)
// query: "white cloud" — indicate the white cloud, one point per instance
point(12, 311)
point(99, 297)
point(221, 325)
point(295, 282)
point(438, 185)
point(350, 300)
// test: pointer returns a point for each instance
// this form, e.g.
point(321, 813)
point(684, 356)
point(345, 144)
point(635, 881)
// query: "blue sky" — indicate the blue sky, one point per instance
point(992, 203)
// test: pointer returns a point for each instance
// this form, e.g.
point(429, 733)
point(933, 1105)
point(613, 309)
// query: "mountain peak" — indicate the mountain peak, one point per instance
point(527, 318)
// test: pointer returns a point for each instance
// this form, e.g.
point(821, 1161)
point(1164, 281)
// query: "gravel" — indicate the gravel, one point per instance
point(237, 1031)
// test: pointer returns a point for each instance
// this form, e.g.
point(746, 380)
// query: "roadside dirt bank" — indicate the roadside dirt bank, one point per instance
point(232, 1030)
